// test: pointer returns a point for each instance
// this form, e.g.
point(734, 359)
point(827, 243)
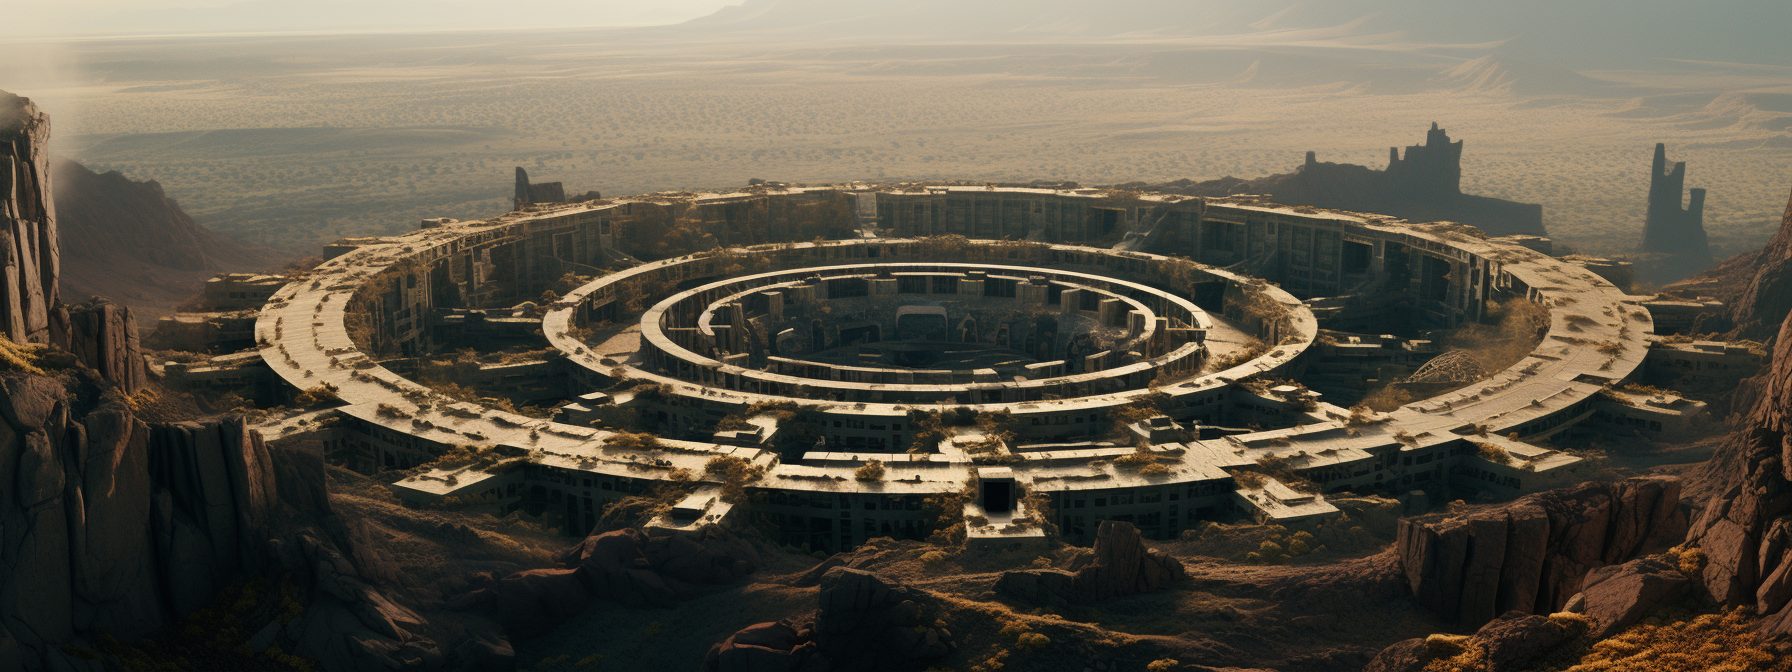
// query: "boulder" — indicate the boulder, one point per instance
point(767, 647)
point(1515, 639)
point(1406, 656)
point(1617, 596)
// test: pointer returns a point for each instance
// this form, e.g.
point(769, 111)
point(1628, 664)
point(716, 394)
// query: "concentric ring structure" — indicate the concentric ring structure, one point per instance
point(748, 332)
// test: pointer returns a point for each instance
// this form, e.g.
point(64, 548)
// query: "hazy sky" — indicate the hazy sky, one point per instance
point(24, 19)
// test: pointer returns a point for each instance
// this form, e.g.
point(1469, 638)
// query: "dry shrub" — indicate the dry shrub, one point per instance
point(1388, 398)
point(1712, 642)
point(639, 441)
point(1252, 350)
point(1249, 480)
point(1513, 330)
point(870, 471)
point(1137, 459)
point(1361, 415)
point(1493, 453)
point(735, 474)
point(319, 397)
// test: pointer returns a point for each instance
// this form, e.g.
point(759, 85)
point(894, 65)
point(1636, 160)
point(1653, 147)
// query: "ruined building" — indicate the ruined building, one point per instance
point(1425, 185)
point(1674, 243)
point(530, 194)
point(544, 193)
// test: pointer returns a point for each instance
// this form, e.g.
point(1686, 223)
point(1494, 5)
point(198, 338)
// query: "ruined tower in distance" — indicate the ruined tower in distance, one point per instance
point(529, 194)
point(1433, 169)
point(1674, 242)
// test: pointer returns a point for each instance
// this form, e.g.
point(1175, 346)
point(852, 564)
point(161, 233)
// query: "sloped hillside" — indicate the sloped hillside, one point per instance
point(126, 240)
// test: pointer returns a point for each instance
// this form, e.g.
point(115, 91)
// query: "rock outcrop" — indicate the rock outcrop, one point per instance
point(1530, 555)
point(1121, 565)
point(622, 566)
point(28, 240)
point(865, 623)
point(1745, 532)
point(1508, 644)
point(1616, 597)
point(127, 241)
point(119, 527)
point(1764, 285)
point(103, 336)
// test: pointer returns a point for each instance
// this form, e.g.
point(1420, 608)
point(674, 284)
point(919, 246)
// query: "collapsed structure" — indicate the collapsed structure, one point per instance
point(1674, 240)
point(1137, 358)
point(1424, 185)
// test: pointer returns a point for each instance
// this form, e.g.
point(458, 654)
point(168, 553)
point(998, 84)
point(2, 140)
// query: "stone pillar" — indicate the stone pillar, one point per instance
point(1110, 312)
point(1034, 292)
point(29, 262)
point(1070, 301)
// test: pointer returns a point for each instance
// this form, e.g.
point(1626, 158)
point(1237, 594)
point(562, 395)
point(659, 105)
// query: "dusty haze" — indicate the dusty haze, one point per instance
point(291, 140)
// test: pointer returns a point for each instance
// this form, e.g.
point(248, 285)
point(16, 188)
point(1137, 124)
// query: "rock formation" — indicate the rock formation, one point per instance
point(865, 623)
point(1425, 185)
point(1511, 642)
point(1616, 597)
point(103, 336)
point(623, 566)
point(113, 528)
point(1613, 598)
point(28, 240)
point(119, 527)
point(1746, 530)
point(1757, 286)
point(1531, 555)
point(1121, 565)
point(127, 241)
point(1674, 242)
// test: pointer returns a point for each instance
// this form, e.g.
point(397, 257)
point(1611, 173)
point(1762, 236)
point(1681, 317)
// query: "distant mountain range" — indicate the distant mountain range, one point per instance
point(1583, 33)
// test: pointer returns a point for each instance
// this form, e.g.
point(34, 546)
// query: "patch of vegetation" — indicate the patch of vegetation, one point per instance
point(735, 474)
point(322, 396)
point(1493, 453)
point(870, 471)
point(636, 441)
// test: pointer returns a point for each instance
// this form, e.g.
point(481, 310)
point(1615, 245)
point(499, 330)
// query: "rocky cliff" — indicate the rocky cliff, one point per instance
point(127, 241)
point(28, 240)
point(112, 527)
point(1763, 285)
point(1532, 555)
point(1745, 530)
